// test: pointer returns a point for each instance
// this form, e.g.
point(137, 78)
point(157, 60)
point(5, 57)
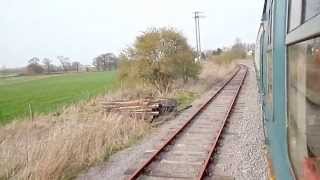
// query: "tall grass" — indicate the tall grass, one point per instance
point(58, 147)
point(211, 73)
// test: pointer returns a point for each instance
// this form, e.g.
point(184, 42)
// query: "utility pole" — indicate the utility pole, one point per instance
point(196, 29)
point(197, 17)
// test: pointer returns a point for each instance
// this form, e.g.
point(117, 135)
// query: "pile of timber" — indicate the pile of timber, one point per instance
point(148, 108)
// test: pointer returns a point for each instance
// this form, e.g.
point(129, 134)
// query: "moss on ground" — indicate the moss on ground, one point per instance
point(185, 98)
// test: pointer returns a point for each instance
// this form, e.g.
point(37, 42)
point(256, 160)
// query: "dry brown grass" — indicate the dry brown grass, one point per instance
point(58, 147)
point(211, 73)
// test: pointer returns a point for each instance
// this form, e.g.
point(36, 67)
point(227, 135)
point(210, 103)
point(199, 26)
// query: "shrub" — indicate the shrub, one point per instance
point(34, 69)
point(157, 58)
point(237, 51)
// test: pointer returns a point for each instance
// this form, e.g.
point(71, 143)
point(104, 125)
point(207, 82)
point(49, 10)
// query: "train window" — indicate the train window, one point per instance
point(304, 104)
point(295, 14)
point(270, 33)
point(312, 8)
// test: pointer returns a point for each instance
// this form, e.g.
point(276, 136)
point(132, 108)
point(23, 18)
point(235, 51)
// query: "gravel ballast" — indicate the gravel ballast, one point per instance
point(242, 154)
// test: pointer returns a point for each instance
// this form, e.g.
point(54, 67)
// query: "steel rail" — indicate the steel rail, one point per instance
point(204, 170)
point(141, 169)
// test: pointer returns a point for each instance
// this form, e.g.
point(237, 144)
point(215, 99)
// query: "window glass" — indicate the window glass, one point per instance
point(270, 33)
point(295, 14)
point(312, 8)
point(269, 28)
point(304, 104)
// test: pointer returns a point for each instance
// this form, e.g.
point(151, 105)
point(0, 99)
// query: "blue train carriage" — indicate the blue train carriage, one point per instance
point(288, 65)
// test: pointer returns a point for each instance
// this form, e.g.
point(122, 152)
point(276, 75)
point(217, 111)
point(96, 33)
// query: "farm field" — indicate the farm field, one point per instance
point(48, 93)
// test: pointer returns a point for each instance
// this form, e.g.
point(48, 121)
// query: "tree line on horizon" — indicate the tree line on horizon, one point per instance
point(103, 62)
point(155, 49)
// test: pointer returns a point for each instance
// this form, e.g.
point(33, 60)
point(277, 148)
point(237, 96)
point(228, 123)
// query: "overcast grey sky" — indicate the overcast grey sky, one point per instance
point(83, 29)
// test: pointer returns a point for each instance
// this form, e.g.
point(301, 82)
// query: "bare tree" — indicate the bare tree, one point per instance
point(34, 60)
point(98, 62)
point(34, 67)
point(75, 65)
point(65, 63)
point(105, 61)
point(3, 69)
point(239, 48)
point(47, 62)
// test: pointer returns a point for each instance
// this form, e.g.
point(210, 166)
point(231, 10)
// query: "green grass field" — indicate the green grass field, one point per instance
point(48, 93)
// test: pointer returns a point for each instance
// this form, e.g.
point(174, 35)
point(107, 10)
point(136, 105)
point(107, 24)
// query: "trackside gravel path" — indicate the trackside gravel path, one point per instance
point(242, 154)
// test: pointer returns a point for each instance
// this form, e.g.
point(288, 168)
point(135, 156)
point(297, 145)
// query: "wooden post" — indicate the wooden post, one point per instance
point(30, 112)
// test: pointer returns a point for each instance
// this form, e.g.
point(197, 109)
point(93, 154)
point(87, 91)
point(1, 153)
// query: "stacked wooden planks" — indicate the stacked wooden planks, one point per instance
point(148, 108)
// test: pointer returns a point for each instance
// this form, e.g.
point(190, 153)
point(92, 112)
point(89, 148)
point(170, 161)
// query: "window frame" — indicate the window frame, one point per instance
point(304, 11)
point(287, 98)
point(270, 35)
point(308, 28)
point(289, 3)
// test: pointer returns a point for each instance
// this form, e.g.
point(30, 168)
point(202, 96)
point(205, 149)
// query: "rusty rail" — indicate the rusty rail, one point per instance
point(203, 172)
point(142, 168)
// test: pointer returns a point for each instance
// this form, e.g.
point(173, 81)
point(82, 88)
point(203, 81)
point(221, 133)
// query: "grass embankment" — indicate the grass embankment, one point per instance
point(59, 147)
point(47, 93)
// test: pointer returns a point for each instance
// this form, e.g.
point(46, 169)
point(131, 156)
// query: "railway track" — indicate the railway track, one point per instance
point(189, 151)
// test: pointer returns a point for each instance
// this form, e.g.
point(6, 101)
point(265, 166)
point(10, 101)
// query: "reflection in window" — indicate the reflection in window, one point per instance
point(270, 24)
point(295, 14)
point(312, 8)
point(304, 102)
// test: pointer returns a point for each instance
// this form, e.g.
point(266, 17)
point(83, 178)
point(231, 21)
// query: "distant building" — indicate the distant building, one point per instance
point(87, 68)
